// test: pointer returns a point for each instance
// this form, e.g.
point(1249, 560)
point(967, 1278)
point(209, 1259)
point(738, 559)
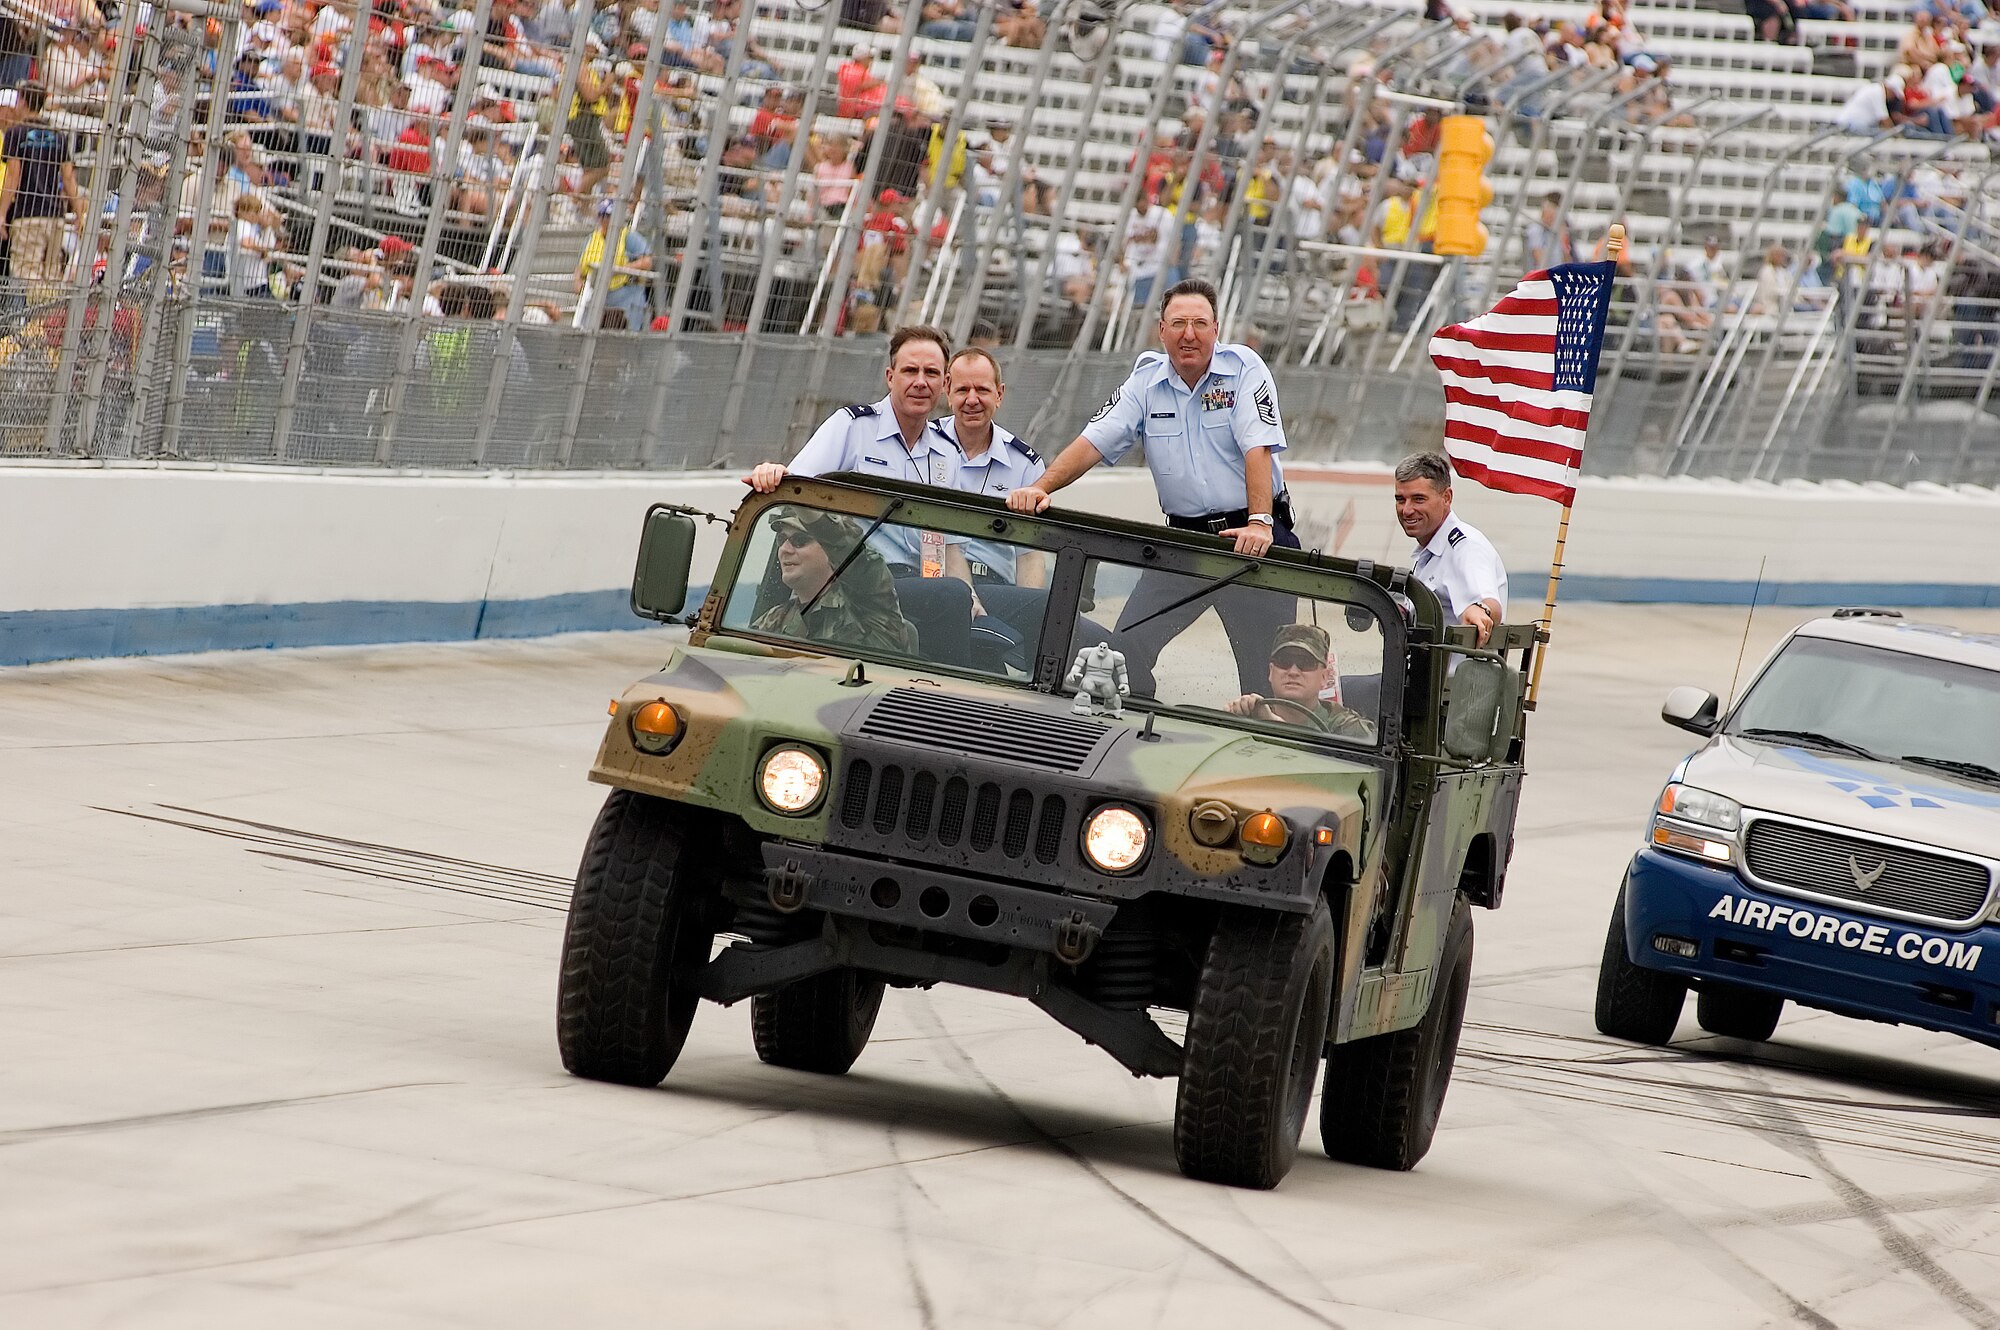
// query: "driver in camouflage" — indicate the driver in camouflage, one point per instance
point(1301, 670)
point(860, 610)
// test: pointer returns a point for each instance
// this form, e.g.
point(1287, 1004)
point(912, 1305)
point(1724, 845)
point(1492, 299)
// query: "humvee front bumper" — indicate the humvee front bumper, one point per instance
point(899, 895)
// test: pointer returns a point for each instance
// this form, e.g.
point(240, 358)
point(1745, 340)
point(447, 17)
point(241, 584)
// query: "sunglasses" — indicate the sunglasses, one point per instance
point(1297, 660)
point(794, 536)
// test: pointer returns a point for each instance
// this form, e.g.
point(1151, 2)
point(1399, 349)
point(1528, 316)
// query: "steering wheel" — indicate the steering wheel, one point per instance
point(1305, 713)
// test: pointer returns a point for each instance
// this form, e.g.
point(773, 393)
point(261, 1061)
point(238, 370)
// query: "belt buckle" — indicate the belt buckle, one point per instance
point(1215, 526)
point(978, 569)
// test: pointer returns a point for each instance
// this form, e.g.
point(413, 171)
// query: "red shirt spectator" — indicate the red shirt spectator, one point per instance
point(861, 93)
point(889, 222)
point(412, 151)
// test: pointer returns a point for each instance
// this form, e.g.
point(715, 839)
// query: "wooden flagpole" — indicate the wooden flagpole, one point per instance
point(1614, 245)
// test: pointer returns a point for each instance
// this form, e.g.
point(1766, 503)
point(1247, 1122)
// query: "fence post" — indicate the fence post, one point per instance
point(442, 176)
point(333, 166)
point(160, 238)
point(940, 180)
point(522, 260)
point(590, 314)
point(774, 244)
point(1045, 61)
point(132, 61)
point(197, 260)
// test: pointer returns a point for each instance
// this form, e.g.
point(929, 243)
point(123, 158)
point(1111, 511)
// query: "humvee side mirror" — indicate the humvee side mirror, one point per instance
point(666, 553)
point(1485, 708)
point(1693, 709)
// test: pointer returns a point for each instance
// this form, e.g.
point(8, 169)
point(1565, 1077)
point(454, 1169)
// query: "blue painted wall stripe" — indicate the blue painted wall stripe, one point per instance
point(30, 637)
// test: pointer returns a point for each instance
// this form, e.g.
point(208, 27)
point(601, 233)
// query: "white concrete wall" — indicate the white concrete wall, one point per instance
point(106, 541)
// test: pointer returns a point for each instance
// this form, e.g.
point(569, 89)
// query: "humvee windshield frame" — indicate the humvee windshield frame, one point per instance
point(1069, 542)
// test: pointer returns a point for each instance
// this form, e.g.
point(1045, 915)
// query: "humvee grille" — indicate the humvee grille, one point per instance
point(928, 719)
point(921, 808)
point(1866, 872)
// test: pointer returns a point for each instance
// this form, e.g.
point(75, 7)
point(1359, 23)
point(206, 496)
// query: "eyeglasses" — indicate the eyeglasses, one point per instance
point(1297, 660)
point(795, 537)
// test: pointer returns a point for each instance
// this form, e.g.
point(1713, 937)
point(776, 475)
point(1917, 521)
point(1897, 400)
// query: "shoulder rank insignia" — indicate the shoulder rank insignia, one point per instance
point(1267, 405)
point(1457, 534)
point(1105, 410)
point(861, 409)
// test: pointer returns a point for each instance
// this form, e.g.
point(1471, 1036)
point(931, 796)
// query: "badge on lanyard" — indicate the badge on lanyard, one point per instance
point(933, 541)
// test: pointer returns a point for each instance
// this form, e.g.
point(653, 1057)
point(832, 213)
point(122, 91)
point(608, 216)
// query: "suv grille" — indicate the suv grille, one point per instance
point(1869, 873)
point(923, 809)
point(999, 733)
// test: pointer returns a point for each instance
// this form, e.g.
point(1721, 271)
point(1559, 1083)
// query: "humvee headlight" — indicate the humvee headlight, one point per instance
point(1264, 835)
point(1684, 803)
point(791, 779)
point(1115, 838)
point(656, 728)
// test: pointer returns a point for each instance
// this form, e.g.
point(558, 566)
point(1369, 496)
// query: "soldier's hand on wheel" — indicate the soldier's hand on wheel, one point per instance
point(765, 476)
point(1253, 539)
point(1028, 499)
point(1245, 705)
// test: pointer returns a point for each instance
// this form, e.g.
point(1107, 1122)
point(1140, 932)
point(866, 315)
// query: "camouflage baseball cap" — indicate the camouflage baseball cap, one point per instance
point(835, 533)
point(1307, 637)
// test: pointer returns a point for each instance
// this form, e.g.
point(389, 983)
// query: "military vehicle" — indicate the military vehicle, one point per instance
point(814, 799)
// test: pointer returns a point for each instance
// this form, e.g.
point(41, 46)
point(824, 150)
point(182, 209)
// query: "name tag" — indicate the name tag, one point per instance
point(1163, 415)
point(875, 461)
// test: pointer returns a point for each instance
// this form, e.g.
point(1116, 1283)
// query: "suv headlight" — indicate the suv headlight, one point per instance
point(1114, 839)
point(1697, 822)
point(791, 779)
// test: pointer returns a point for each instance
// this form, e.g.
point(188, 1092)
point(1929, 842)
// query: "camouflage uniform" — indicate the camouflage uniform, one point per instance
point(1314, 640)
point(859, 610)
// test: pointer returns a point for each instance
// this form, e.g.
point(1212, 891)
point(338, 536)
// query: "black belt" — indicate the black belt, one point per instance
point(981, 573)
point(1216, 523)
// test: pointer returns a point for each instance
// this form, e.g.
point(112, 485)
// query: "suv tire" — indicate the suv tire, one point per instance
point(634, 944)
point(819, 1024)
point(1634, 1002)
point(1384, 1094)
point(1253, 1043)
point(1735, 1012)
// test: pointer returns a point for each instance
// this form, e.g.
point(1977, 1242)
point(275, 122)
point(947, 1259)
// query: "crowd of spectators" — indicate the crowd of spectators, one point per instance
point(1946, 80)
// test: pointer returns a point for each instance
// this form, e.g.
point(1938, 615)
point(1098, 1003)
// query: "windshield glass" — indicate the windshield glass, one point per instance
point(1268, 660)
point(1892, 704)
point(850, 585)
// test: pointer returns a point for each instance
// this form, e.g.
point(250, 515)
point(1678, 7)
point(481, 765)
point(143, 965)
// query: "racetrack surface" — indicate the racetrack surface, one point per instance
point(278, 950)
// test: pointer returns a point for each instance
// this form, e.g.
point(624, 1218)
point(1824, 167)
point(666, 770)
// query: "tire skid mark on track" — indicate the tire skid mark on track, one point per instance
point(1075, 1156)
point(24, 1135)
point(1774, 1120)
point(388, 863)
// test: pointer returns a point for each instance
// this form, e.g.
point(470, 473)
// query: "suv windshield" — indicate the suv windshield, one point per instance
point(1889, 703)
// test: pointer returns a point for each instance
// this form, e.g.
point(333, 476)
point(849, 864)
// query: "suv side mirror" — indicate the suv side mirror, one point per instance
point(666, 553)
point(1693, 709)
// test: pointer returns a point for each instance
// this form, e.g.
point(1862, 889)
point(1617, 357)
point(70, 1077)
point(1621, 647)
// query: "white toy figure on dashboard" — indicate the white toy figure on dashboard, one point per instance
point(1098, 676)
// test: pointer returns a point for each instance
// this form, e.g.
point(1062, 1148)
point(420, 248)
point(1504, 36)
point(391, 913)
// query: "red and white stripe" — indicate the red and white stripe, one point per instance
point(1506, 425)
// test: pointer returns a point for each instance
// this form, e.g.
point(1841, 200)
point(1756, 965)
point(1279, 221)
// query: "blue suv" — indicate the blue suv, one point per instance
point(1835, 843)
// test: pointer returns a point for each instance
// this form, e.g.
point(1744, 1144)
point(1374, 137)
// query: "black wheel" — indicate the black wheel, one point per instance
point(1383, 1095)
point(819, 1024)
point(1633, 1002)
point(1737, 1013)
point(1253, 1045)
point(635, 941)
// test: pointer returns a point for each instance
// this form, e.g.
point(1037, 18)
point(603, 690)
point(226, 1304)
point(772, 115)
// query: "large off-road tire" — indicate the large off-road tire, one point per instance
point(1253, 1044)
point(819, 1024)
point(1633, 1002)
point(1383, 1095)
point(1737, 1013)
point(635, 942)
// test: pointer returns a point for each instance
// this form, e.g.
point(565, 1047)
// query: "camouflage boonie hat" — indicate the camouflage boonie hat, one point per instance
point(836, 534)
point(1307, 637)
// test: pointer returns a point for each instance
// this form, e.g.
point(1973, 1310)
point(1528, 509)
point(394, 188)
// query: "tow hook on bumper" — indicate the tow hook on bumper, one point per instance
point(787, 885)
point(1075, 938)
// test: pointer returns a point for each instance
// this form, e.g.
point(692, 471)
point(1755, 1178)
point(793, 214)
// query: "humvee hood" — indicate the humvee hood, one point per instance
point(1868, 798)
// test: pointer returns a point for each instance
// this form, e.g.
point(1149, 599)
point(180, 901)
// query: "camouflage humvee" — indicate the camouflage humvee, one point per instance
point(849, 800)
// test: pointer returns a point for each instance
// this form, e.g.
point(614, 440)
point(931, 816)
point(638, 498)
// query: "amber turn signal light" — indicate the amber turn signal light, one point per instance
point(1264, 836)
point(656, 727)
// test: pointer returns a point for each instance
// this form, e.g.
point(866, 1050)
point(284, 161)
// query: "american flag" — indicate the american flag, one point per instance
point(1518, 381)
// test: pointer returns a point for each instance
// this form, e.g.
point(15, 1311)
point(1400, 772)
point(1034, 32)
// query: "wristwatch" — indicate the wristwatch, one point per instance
point(1263, 519)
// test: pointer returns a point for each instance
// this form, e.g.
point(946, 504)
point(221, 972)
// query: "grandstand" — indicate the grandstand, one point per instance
point(433, 291)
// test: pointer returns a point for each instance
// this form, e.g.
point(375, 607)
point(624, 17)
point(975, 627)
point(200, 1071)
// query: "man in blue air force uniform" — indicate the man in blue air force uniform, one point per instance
point(1209, 417)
